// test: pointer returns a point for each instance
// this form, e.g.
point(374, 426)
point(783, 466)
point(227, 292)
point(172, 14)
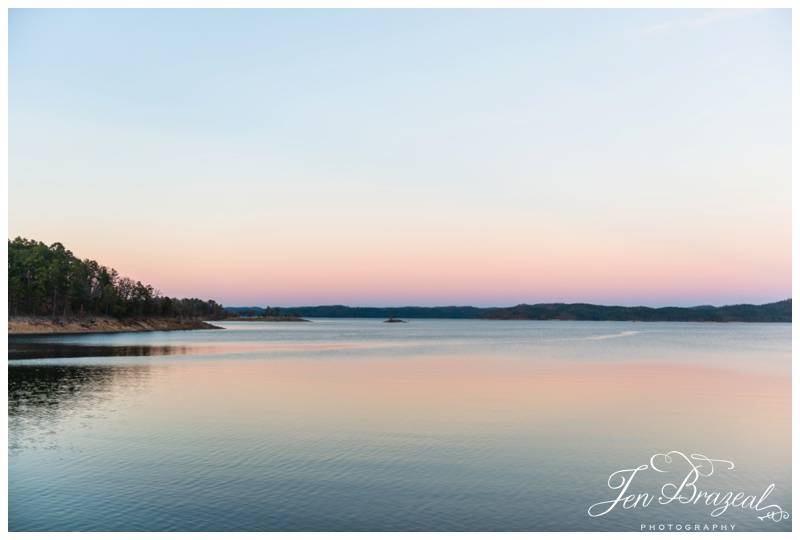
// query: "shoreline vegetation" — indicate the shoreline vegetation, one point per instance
point(772, 312)
point(49, 281)
point(50, 291)
point(100, 324)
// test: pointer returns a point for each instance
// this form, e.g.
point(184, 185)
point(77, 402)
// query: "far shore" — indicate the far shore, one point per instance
point(267, 318)
point(106, 325)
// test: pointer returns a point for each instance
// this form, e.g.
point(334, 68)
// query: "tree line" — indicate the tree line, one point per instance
point(772, 312)
point(50, 281)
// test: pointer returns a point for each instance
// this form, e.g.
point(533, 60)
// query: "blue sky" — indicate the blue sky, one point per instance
point(387, 156)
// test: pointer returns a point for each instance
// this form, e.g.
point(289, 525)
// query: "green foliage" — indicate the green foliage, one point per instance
point(50, 280)
point(774, 312)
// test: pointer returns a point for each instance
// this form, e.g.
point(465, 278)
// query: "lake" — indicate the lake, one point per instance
point(438, 425)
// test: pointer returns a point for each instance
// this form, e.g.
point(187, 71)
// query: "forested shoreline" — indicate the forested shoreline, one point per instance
point(772, 312)
point(49, 281)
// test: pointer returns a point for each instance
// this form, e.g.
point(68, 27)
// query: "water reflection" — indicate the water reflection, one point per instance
point(41, 396)
point(27, 350)
point(354, 426)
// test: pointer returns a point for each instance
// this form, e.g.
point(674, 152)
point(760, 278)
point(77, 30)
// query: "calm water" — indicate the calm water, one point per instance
point(361, 425)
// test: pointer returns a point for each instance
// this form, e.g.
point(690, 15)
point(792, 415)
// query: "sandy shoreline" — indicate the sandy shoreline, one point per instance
point(85, 325)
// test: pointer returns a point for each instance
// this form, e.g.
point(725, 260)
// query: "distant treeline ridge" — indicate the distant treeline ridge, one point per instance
point(773, 312)
point(50, 281)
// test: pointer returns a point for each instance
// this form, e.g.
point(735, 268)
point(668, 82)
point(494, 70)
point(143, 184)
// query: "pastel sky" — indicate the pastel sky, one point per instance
point(384, 157)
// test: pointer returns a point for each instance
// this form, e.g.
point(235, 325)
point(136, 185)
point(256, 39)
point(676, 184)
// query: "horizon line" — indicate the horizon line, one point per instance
point(254, 306)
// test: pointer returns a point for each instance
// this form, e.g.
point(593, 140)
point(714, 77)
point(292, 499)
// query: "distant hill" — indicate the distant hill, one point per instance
point(338, 311)
point(773, 312)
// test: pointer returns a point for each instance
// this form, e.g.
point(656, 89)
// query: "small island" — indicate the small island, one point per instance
point(393, 320)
